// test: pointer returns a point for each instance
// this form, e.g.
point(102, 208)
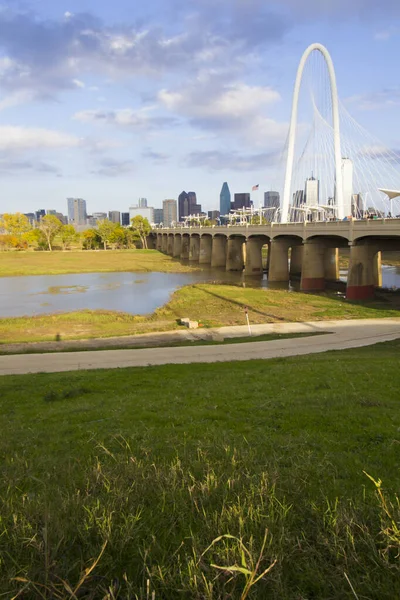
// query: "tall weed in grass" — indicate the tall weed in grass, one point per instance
point(127, 524)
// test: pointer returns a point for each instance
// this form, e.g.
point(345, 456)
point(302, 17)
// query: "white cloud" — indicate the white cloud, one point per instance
point(78, 83)
point(125, 118)
point(21, 138)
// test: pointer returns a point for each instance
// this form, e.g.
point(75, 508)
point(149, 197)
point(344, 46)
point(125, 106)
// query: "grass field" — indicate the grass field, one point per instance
point(61, 263)
point(191, 481)
point(212, 305)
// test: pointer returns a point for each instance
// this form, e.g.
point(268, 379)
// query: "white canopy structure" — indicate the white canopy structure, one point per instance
point(391, 194)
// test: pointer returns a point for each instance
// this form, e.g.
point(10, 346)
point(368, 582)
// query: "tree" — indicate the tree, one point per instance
point(142, 227)
point(49, 227)
point(118, 237)
point(105, 229)
point(90, 237)
point(15, 224)
point(67, 236)
point(131, 237)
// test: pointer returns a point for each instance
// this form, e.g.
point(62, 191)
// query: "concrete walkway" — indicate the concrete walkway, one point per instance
point(344, 334)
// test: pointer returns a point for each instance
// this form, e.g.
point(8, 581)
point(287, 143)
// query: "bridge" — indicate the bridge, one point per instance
point(309, 251)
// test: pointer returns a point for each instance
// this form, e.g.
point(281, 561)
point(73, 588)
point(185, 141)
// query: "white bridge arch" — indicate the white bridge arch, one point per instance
point(336, 131)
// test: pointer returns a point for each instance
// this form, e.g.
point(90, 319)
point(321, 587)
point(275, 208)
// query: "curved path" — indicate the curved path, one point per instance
point(344, 334)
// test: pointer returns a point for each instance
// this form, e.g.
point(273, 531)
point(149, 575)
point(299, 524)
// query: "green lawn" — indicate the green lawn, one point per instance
point(88, 261)
point(212, 305)
point(145, 468)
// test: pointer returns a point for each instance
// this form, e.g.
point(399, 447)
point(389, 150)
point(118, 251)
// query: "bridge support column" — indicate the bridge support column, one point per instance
point(331, 264)
point(185, 247)
point(194, 248)
point(177, 246)
point(296, 261)
point(218, 253)
point(313, 271)
point(278, 261)
point(159, 242)
point(378, 269)
point(254, 257)
point(164, 247)
point(362, 273)
point(151, 242)
point(268, 256)
point(234, 254)
point(170, 245)
point(205, 250)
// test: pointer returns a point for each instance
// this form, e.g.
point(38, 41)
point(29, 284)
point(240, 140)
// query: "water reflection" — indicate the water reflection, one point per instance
point(134, 293)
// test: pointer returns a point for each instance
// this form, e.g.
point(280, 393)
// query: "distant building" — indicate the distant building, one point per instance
point(146, 212)
point(40, 214)
point(100, 216)
point(169, 212)
point(297, 203)
point(213, 215)
point(225, 200)
point(30, 216)
point(51, 212)
point(271, 200)
point(77, 211)
point(61, 217)
point(125, 221)
point(142, 202)
point(356, 206)
point(241, 201)
point(183, 205)
point(158, 216)
point(114, 216)
point(312, 192)
point(347, 178)
point(91, 221)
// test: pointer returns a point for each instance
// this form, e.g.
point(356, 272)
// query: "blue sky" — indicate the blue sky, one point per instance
point(112, 101)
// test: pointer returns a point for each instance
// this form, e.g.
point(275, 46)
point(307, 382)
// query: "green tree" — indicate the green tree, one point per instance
point(118, 237)
point(15, 223)
point(90, 237)
point(131, 237)
point(67, 235)
point(142, 227)
point(105, 229)
point(49, 226)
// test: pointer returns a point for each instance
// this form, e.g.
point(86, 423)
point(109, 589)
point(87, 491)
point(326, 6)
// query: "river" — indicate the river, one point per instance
point(135, 293)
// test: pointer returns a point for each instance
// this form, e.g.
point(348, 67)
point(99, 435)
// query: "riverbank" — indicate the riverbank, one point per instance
point(211, 305)
point(143, 469)
point(14, 264)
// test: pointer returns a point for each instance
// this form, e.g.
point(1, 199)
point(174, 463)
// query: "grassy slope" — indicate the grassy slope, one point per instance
point(59, 263)
point(158, 462)
point(212, 305)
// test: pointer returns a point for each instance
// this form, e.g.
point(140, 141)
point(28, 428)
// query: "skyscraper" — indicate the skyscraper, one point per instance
point(187, 205)
point(146, 212)
point(158, 216)
point(271, 200)
point(241, 201)
point(312, 192)
point(225, 200)
point(142, 202)
point(76, 211)
point(170, 212)
point(114, 216)
point(125, 222)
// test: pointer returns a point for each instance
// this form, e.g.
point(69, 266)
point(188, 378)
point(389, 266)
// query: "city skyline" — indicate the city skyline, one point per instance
point(110, 116)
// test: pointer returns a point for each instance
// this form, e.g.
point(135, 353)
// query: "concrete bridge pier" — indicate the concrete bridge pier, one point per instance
point(331, 264)
point(164, 247)
point(313, 271)
point(170, 245)
point(194, 248)
point(296, 261)
point(177, 246)
point(254, 256)
point(185, 247)
point(151, 242)
point(234, 254)
point(218, 252)
point(159, 242)
point(378, 269)
point(205, 250)
point(363, 270)
point(278, 261)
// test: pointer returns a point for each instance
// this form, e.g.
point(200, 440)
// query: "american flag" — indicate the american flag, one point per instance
point(255, 187)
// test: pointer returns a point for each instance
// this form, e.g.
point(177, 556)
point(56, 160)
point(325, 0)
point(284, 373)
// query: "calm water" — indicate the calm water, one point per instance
point(135, 293)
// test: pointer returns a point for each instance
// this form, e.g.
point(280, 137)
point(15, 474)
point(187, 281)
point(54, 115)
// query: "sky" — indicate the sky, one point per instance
point(114, 101)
